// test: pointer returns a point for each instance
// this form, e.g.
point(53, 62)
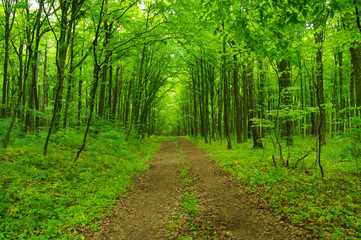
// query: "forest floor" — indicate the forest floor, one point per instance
point(185, 195)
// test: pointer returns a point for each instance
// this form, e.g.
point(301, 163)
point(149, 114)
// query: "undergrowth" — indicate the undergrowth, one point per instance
point(53, 197)
point(329, 207)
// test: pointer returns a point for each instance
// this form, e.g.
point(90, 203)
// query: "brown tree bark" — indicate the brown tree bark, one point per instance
point(107, 29)
point(237, 101)
point(45, 84)
point(204, 97)
point(195, 109)
point(9, 8)
point(226, 95)
point(70, 79)
point(33, 98)
point(212, 101)
point(245, 105)
point(355, 86)
point(321, 119)
point(115, 92)
point(341, 79)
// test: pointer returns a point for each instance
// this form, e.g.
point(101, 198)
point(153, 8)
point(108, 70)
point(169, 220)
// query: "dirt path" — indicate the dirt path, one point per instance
point(232, 212)
point(228, 212)
point(146, 210)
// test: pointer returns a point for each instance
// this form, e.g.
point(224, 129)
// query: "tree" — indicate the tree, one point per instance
point(9, 7)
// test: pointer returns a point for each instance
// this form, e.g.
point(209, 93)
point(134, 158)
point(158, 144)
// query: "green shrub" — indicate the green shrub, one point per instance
point(50, 197)
point(329, 207)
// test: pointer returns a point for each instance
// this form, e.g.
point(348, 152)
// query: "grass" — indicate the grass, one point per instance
point(329, 207)
point(185, 217)
point(53, 197)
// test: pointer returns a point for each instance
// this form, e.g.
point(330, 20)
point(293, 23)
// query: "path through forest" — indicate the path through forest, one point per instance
point(149, 207)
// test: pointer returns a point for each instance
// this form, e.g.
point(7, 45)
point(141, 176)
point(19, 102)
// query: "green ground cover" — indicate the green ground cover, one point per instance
point(329, 207)
point(53, 197)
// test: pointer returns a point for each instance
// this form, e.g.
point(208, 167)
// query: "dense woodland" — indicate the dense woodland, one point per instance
point(227, 71)
point(237, 68)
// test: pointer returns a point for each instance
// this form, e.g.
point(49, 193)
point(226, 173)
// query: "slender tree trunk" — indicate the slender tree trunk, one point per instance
point(204, 97)
point(195, 115)
point(110, 90)
point(7, 9)
point(91, 108)
point(45, 84)
point(127, 104)
point(137, 99)
point(70, 81)
point(313, 104)
point(356, 76)
point(261, 98)
point(220, 110)
point(211, 85)
point(7, 5)
point(356, 60)
point(105, 72)
point(321, 118)
point(34, 78)
point(80, 95)
point(257, 142)
point(21, 75)
point(237, 100)
point(286, 98)
point(7, 138)
point(61, 64)
point(341, 97)
point(244, 105)
point(304, 119)
point(115, 92)
point(226, 96)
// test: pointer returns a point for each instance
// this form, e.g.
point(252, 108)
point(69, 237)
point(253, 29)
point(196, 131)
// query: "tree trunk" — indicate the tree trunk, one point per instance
point(356, 75)
point(341, 97)
point(257, 142)
point(80, 95)
point(195, 114)
point(45, 84)
point(261, 94)
point(211, 85)
point(115, 91)
point(105, 72)
point(61, 55)
point(34, 78)
point(286, 98)
point(220, 110)
point(8, 5)
point(313, 104)
point(321, 118)
point(137, 98)
point(21, 75)
point(237, 100)
point(244, 105)
point(226, 96)
point(70, 80)
point(204, 97)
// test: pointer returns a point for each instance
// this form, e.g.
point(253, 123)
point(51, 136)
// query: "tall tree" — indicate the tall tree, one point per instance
point(10, 12)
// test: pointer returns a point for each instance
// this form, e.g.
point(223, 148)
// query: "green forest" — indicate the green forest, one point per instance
point(270, 90)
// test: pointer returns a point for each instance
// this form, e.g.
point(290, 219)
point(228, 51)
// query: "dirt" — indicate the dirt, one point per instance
point(227, 209)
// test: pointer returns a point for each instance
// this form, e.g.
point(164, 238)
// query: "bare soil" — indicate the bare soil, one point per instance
point(228, 211)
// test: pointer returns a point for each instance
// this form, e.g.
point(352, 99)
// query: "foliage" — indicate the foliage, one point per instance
point(352, 148)
point(55, 197)
point(329, 207)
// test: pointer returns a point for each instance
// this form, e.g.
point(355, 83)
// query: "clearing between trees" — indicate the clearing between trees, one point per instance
point(184, 195)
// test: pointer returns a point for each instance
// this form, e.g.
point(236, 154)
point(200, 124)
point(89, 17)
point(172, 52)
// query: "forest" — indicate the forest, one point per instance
point(270, 90)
